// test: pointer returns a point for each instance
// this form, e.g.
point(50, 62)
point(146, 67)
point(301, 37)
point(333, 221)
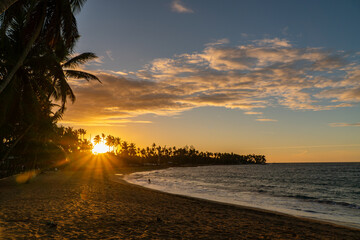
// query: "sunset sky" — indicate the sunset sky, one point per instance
point(280, 78)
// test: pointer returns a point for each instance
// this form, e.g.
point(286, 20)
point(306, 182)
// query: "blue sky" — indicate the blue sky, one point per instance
point(280, 78)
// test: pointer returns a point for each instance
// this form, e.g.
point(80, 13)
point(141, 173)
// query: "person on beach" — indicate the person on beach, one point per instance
point(149, 181)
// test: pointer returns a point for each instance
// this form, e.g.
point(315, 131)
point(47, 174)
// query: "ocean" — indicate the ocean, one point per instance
point(324, 191)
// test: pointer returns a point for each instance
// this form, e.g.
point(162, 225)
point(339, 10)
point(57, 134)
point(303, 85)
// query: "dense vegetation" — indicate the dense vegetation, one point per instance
point(129, 154)
point(37, 40)
point(122, 153)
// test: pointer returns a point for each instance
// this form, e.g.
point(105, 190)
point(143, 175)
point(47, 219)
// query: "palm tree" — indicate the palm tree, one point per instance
point(97, 139)
point(60, 72)
point(148, 152)
point(109, 141)
point(81, 132)
point(132, 149)
point(46, 21)
point(125, 148)
point(23, 55)
point(117, 144)
point(143, 152)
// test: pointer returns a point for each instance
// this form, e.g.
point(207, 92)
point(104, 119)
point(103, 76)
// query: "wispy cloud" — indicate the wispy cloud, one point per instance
point(119, 73)
point(274, 42)
point(178, 6)
point(218, 42)
point(109, 54)
point(248, 77)
point(253, 113)
point(344, 124)
point(96, 62)
point(266, 120)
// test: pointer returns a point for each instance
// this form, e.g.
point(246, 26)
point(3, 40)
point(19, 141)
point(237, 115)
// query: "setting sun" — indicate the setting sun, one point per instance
point(229, 119)
point(100, 148)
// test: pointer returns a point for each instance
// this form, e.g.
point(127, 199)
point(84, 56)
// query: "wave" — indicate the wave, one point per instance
point(316, 200)
point(274, 189)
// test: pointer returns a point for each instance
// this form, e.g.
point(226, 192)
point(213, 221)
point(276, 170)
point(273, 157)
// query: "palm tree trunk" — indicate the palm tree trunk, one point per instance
point(5, 4)
point(25, 53)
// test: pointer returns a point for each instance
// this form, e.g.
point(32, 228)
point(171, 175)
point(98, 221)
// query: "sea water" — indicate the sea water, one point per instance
point(325, 191)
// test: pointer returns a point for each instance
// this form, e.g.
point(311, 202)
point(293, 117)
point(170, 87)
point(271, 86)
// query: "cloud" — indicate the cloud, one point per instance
point(266, 120)
point(218, 42)
point(273, 42)
point(260, 74)
point(344, 124)
point(109, 54)
point(341, 94)
point(253, 113)
point(119, 72)
point(96, 62)
point(178, 6)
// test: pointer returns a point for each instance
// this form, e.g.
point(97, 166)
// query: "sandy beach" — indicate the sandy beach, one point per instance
point(88, 204)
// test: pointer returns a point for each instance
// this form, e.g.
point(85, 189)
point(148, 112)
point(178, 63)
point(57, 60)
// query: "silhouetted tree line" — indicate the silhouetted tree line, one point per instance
point(129, 154)
point(67, 143)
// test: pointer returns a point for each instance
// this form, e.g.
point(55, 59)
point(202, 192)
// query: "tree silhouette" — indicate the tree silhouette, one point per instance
point(46, 22)
point(109, 141)
point(36, 44)
point(97, 139)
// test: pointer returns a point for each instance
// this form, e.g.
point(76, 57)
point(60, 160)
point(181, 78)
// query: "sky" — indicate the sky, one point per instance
point(279, 78)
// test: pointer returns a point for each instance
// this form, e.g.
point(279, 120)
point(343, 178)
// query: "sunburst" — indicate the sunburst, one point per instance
point(100, 148)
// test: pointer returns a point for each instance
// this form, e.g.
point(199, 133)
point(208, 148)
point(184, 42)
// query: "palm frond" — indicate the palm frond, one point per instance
point(57, 116)
point(69, 26)
point(76, 5)
point(79, 59)
point(81, 75)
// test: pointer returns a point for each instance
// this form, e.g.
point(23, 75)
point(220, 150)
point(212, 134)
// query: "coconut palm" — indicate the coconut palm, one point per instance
point(97, 139)
point(81, 132)
point(47, 66)
point(46, 21)
point(61, 72)
point(125, 148)
point(109, 141)
point(117, 144)
point(33, 85)
point(132, 149)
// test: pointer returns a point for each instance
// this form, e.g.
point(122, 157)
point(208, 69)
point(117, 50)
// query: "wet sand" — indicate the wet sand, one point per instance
point(88, 204)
